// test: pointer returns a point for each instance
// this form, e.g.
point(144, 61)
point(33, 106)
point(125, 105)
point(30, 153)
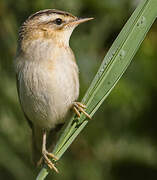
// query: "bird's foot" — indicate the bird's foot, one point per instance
point(46, 157)
point(79, 107)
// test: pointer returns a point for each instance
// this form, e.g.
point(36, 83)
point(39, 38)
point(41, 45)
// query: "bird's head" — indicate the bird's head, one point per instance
point(50, 24)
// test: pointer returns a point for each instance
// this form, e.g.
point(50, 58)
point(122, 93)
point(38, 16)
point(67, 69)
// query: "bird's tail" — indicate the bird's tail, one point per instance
point(37, 135)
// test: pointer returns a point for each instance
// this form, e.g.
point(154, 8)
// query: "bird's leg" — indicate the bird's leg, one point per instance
point(47, 155)
point(79, 107)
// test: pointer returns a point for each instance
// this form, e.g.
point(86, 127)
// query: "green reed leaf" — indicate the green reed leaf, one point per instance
point(112, 68)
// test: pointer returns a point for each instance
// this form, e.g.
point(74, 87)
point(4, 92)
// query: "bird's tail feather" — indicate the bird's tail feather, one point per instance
point(37, 135)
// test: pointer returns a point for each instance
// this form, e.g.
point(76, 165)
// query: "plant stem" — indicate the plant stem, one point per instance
point(112, 68)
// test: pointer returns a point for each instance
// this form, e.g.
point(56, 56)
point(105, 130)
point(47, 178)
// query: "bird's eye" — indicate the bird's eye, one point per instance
point(58, 21)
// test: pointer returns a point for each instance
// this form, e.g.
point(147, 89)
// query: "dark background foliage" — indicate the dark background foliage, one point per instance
point(120, 141)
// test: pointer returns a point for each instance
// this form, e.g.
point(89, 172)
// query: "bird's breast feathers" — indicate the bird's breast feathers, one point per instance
point(48, 89)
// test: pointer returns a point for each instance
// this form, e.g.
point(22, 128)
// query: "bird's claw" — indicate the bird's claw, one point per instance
point(79, 107)
point(46, 157)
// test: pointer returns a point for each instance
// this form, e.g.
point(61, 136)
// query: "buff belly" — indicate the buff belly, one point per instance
point(47, 93)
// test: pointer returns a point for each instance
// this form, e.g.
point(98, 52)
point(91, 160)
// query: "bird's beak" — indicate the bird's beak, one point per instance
point(78, 21)
point(81, 20)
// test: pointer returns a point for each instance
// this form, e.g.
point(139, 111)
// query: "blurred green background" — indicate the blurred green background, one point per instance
point(120, 142)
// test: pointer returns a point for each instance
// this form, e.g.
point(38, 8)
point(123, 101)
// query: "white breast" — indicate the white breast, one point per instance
point(48, 88)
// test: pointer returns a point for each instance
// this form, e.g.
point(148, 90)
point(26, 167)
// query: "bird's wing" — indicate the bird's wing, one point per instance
point(18, 91)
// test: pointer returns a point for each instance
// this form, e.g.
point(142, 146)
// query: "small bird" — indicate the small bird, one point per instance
point(47, 77)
